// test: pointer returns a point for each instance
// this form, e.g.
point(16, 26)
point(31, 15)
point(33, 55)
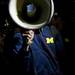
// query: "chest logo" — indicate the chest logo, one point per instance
point(49, 40)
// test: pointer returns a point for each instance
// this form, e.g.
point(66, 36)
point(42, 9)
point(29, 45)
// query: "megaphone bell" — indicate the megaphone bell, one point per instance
point(31, 14)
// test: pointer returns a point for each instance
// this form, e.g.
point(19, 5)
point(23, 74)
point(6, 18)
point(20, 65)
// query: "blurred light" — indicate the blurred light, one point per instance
point(6, 23)
point(67, 40)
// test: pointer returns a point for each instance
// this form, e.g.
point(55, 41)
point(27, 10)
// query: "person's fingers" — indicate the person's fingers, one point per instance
point(31, 32)
point(25, 34)
point(29, 40)
point(30, 36)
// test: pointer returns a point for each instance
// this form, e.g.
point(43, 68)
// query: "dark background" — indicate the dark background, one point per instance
point(66, 11)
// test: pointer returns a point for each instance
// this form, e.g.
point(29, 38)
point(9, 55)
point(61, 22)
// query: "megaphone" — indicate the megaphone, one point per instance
point(31, 14)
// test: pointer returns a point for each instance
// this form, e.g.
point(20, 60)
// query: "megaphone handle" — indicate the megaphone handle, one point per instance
point(27, 49)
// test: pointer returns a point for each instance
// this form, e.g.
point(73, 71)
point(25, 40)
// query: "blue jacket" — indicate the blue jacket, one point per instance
point(39, 55)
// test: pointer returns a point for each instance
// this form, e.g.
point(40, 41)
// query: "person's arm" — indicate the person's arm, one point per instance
point(18, 42)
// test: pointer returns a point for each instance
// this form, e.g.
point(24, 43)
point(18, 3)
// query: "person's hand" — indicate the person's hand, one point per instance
point(30, 36)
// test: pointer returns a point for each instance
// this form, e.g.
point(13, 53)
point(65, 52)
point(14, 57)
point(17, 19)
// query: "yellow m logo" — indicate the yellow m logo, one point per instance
point(50, 40)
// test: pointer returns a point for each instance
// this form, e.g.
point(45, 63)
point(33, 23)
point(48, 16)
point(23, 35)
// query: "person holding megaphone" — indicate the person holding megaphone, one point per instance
point(35, 45)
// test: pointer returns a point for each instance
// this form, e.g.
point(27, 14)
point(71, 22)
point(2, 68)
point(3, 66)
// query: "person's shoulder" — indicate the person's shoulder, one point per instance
point(50, 28)
point(17, 34)
point(54, 30)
